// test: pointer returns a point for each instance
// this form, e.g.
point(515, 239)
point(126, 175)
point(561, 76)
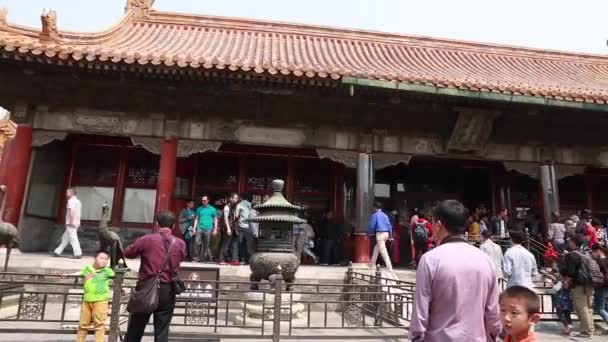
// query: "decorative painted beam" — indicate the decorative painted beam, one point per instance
point(480, 95)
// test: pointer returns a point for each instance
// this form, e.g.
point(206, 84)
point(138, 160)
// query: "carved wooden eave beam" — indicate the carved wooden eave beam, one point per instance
point(354, 82)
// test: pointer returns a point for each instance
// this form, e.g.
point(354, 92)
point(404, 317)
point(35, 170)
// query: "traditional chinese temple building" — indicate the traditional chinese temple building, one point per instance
point(163, 106)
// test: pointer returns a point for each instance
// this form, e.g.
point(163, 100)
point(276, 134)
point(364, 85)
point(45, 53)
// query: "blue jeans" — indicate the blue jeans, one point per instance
point(599, 302)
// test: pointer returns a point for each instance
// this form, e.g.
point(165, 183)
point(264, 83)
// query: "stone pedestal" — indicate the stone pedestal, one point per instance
point(260, 306)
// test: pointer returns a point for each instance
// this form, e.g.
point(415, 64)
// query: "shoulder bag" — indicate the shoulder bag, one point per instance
point(177, 284)
point(144, 297)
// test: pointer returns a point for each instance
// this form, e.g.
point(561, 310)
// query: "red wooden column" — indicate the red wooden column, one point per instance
point(496, 184)
point(338, 190)
point(166, 175)
point(14, 168)
point(365, 198)
point(338, 208)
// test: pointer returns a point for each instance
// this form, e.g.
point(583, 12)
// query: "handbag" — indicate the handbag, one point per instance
point(177, 284)
point(144, 298)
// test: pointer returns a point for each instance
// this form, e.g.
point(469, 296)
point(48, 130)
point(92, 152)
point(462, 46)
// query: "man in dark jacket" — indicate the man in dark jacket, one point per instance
point(582, 294)
point(501, 224)
point(331, 233)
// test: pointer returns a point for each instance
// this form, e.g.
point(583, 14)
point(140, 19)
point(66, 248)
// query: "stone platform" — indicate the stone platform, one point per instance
point(45, 263)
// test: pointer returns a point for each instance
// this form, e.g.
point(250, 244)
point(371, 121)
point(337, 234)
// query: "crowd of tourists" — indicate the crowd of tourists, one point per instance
point(225, 234)
point(220, 234)
point(447, 306)
point(450, 307)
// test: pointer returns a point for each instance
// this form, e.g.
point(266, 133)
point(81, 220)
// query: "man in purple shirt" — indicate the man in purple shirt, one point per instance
point(152, 249)
point(456, 295)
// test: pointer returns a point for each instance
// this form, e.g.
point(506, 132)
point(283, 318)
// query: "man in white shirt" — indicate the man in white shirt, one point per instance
point(72, 223)
point(519, 264)
point(493, 251)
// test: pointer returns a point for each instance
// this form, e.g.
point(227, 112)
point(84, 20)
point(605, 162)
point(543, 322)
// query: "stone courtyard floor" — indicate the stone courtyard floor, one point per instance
point(44, 263)
point(542, 337)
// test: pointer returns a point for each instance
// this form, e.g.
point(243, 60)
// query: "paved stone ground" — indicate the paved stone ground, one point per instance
point(44, 263)
point(543, 337)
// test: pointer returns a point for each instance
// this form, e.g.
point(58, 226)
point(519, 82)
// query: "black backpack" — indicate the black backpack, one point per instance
point(589, 273)
point(421, 233)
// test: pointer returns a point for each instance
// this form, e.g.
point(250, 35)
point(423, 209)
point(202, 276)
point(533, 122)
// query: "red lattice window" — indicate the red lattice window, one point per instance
point(217, 172)
point(262, 171)
point(313, 176)
point(96, 165)
point(600, 192)
point(142, 169)
point(524, 191)
point(571, 192)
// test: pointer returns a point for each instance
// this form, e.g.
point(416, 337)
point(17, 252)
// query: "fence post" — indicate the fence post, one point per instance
point(378, 297)
point(276, 321)
point(349, 273)
point(114, 328)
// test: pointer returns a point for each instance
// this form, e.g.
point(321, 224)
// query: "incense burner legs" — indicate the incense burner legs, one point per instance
point(265, 264)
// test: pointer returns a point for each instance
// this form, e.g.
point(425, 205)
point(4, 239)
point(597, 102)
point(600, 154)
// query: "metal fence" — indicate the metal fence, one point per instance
point(366, 305)
point(363, 306)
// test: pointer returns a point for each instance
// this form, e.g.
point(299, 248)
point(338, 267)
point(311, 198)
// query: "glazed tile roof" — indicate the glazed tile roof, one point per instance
point(189, 41)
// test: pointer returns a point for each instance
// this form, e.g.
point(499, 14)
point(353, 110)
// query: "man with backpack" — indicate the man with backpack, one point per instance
point(422, 231)
point(600, 255)
point(584, 273)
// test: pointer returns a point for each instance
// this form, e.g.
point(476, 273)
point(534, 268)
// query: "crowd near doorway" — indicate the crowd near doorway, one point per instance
point(410, 191)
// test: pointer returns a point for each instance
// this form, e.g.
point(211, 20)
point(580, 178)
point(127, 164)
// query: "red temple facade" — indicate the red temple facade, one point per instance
point(163, 107)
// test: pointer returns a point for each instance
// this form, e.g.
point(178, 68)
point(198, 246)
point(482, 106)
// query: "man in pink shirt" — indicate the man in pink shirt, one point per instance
point(456, 296)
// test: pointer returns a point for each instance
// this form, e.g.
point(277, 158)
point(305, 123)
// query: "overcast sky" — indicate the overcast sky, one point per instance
point(568, 25)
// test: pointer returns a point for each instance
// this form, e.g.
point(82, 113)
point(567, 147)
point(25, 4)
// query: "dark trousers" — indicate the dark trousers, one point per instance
point(331, 253)
point(162, 318)
point(420, 248)
point(564, 316)
point(246, 243)
point(188, 243)
point(203, 244)
point(230, 244)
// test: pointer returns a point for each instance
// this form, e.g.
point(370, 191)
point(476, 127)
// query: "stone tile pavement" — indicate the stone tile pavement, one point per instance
point(44, 262)
point(542, 337)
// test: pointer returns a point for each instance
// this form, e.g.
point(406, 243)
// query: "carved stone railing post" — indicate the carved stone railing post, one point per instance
point(276, 321)
point(114, 328)
point(378, 298)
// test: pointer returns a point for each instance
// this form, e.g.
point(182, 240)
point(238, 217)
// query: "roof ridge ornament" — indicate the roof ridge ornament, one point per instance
point(3, 16)
point(49, 25)
point(139, 8)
